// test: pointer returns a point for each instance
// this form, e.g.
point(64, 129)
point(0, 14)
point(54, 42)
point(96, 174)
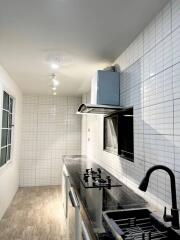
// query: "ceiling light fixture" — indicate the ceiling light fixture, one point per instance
point(54, 66)
point(57, 60)
point(54, 80)
point(54, 83)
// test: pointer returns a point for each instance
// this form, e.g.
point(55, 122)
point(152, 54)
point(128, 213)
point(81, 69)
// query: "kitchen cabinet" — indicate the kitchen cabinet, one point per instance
point(73, 217)
point(74, 226)
point(65, 190)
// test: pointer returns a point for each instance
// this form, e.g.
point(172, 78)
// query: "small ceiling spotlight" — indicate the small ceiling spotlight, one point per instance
point(56, 59)
point(54, 80)
point(54, 65)
point(54, 83)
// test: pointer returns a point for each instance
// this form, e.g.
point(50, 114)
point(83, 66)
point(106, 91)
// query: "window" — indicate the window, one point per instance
point(6, 132)
point(118, 134)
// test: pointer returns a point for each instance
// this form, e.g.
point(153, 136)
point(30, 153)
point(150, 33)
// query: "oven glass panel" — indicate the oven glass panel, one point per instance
point(119, 134)
point(111, 133)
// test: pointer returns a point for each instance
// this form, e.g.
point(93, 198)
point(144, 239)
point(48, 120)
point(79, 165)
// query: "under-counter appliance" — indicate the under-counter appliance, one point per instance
point(75, 228)
point(71, 207)
point(65, 190)
point(74, 218)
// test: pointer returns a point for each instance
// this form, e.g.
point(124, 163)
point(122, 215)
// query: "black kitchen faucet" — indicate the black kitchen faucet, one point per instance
point(174, 217)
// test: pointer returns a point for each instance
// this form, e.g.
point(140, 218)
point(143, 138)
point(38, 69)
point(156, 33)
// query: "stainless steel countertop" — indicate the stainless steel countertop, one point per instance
point(113, 199)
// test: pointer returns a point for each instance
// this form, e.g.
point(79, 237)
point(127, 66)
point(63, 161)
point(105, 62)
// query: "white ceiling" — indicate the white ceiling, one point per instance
point(92, 32)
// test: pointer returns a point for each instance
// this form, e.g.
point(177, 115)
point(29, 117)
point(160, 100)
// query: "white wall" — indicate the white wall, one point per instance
point(51, 128)
point(9, 176)
point(150, 81)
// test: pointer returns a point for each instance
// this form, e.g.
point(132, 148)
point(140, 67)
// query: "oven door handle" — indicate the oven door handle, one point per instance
point(73, 198)
point(85, 233)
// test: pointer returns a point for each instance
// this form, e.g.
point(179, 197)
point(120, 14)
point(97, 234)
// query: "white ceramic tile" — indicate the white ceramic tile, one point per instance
point(158, 88)
point(177, 151)
point(168, 84)
point(177, 175)
point(149, 91)
point(158, 119)
point(176, 81)
point(166, 15)
point(138, 120)
point(159, 63)
point(150, 64)
point(159, 27)
point(139, 146)
point(177, 116)
point(135, 171)
point(159, 149)
point(176, 45)
point(167, 52)
point(175, 14)
point(149, 36)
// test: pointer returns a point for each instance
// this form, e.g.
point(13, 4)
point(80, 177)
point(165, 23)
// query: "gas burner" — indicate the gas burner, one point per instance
point(90, 171)
point(100, 183)
point(96, 178)
point(103, 182)
point(100, 180)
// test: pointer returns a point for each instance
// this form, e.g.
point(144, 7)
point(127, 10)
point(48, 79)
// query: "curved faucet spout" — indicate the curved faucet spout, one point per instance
point(174, 218)
point(144, 184)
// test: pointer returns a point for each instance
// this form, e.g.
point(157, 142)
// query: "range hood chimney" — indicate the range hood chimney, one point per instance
point(105, 93)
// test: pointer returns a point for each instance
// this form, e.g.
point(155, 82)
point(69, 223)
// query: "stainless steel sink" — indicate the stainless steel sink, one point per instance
point(137, 224)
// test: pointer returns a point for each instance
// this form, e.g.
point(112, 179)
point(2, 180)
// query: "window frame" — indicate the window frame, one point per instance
point(8, 128)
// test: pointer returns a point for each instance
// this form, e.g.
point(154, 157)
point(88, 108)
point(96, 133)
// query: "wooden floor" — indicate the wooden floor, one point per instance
point(34, 214)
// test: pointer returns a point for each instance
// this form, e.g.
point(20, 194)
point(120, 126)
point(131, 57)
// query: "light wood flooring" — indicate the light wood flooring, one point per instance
point(34, 214)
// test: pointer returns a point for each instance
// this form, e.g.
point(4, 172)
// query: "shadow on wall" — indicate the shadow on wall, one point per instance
point(153, 131)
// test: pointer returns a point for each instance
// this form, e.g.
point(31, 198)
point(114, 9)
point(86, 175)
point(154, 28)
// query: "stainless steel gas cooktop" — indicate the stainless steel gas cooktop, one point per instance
point(97, 178)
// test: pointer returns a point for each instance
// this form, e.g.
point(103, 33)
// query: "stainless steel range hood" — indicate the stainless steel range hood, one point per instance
point(105, 94)
point(97, 109)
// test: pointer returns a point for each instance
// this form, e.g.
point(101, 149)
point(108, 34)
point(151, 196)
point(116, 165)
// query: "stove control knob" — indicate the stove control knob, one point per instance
point(108, 179)
point(87, 170)
point(86, 177)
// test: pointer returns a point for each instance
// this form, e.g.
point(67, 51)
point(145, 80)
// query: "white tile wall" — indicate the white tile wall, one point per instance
point(150, 81)
point(51, 129)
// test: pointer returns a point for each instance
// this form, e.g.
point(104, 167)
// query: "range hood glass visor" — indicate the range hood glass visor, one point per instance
point(97, 109)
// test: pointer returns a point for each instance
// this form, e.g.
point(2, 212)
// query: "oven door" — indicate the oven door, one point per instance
point(74, 217)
